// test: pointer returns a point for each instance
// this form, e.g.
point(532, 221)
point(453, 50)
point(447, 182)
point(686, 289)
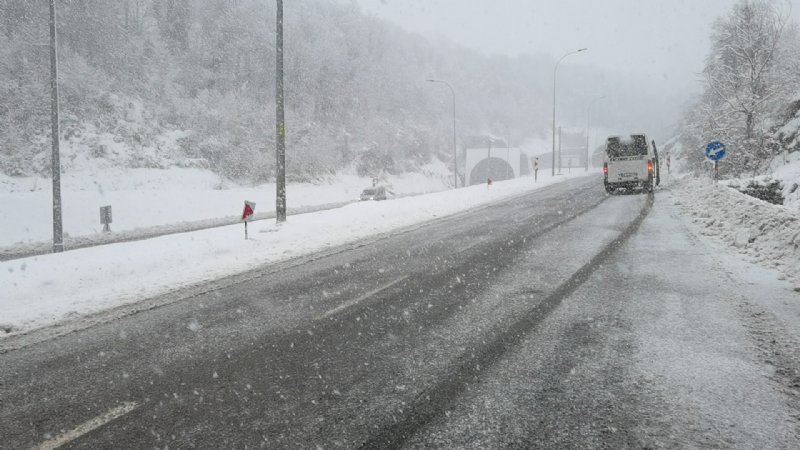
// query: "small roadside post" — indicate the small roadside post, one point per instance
point(247, 214)
point(105, 218)
point(715, 151)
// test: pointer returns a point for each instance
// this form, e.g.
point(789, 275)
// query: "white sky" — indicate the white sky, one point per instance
point(656, 38)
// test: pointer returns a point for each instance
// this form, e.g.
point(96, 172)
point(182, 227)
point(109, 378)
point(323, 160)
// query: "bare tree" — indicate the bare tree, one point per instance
point(738, 82)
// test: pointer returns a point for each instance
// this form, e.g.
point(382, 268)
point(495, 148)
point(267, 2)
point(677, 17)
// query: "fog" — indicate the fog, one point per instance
point(653, 50)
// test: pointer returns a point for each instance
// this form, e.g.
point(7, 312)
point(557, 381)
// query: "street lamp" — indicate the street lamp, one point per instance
point(555, 71)
point(455, 148)
point(588, 118)
point(280, 121)
point(58, 237)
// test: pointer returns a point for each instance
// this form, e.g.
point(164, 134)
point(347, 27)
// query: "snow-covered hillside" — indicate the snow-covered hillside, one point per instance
point(784, 169)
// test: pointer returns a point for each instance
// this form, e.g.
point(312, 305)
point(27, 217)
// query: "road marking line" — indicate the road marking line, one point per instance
point(88, 426)
point(360, 299)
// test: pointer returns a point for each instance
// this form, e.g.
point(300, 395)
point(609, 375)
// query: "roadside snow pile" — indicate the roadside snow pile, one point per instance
point(768, 233)
point(781, 187)
point(763, 188)
point(786, 168)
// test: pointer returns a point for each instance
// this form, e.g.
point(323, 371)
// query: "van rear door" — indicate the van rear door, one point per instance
point(627, 159)
point(627, 169)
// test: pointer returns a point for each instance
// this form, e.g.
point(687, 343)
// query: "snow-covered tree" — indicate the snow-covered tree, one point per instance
point(748, 71)
point(355, 86)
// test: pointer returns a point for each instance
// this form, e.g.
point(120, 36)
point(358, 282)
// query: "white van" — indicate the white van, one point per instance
point(631, 163)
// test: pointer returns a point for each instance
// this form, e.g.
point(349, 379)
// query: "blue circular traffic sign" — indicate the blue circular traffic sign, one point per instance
point(715, 151)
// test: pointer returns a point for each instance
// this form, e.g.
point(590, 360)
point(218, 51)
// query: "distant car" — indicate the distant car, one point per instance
point(374, 193)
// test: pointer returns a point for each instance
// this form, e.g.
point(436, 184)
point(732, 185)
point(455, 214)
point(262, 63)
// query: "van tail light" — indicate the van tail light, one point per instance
point(605, 168)
point(650, 166)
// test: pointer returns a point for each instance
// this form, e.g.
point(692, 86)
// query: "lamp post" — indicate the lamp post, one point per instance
point(280, 124)
point(58, 237)
point(555, 72)
point(455, 148)
point(588, 119)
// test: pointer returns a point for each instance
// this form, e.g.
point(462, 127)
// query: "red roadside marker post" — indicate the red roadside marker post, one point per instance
point(247, 214)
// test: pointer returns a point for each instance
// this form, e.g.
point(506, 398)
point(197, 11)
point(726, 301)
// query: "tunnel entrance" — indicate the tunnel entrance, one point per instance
point(495, 168)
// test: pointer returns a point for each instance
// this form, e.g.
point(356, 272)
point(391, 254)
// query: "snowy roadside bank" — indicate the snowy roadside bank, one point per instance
point(42, 290)
point(144, 200)
point(27, 249)
point(768, 234)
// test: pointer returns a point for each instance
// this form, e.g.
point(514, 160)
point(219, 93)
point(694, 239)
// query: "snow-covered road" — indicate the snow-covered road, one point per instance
point(559, 318)
point(674, 342)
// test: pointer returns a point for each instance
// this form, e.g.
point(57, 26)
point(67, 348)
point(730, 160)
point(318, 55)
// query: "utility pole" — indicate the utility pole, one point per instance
point(280, 132)
point(455, 147)
point(489, 161)
point(588, 152)
point(559, 149)
point(58, 236)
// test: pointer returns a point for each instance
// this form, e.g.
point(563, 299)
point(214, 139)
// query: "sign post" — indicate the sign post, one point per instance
point(105, 218)
point(715, 151)
point(247, 214)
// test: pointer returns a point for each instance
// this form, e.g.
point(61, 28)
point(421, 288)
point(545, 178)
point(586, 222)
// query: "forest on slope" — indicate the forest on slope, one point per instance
point(156, 83)
point(751, 91)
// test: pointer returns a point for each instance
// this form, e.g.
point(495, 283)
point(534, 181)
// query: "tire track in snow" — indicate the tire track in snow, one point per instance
point(435, 401)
